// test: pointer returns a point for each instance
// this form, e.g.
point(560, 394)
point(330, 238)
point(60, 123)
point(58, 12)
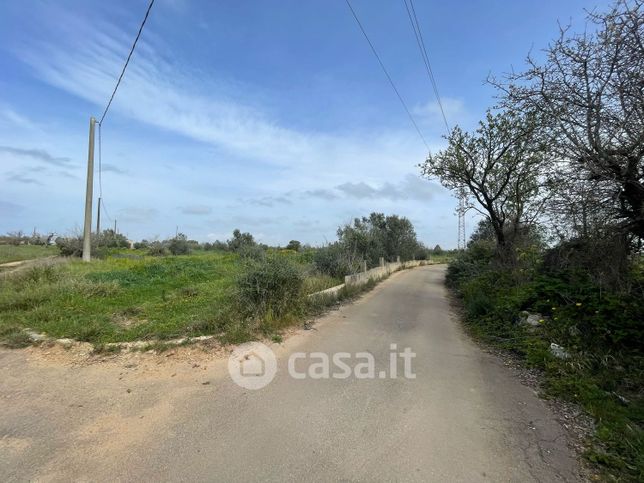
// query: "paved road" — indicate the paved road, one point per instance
point(464, 417)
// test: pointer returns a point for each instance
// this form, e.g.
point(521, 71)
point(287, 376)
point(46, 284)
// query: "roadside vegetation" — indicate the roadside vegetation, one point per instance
point(14, 253)
point(236, 290)
point(554, 271)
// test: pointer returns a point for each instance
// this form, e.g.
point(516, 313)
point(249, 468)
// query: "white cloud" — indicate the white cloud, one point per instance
point(137, 214)
point(157, 93)
point(233, 147)
point(36, 154)
point(12, 118)
point(195, 210)
point(455, 112)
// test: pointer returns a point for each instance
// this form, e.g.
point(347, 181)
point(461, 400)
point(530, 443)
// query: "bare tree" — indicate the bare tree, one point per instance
point(501, 168)
point(589, 93)
point(578, 207)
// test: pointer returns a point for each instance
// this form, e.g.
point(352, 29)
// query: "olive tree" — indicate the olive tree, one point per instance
point(379, 236)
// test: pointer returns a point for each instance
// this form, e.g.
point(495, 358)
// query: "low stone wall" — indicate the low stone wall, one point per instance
point(333, 291)
point(360, 278)
point(379, 272)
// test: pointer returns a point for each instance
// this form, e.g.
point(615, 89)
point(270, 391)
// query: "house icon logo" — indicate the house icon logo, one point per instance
point(252, 365)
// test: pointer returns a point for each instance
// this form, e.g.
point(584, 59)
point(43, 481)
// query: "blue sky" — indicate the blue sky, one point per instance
point(268, 116)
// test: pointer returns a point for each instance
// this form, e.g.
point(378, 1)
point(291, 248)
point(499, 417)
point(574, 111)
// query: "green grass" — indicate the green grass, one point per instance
point(445, 258)
point(15, 253)
point(317, 283)
point(122, 299)
point(131, 296)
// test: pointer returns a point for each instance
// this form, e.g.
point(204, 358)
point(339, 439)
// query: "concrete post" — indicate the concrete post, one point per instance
point(398, 259)
point(364, 265)
point(382, 261)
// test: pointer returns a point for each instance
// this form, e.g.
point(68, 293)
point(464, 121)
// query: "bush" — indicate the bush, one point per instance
point(332, 260)
point(70, 246)
point(14, 337)
point(272, 286)
point(216, 245)
point(73, 247)
point(179, 245)
point(14, 238)
point(110, 239)
point(470, 263)
point(252, 252)
point(157, 250)
point(240, 240)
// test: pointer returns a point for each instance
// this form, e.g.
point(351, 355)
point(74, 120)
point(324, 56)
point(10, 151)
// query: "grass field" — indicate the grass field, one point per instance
point(15, 253)
point(129, 297)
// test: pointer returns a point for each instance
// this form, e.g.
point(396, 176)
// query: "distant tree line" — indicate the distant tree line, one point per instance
point(365, 240)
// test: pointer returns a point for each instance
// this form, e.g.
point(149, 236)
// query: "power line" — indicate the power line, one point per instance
point(462, 196)
point(107, 107)
point(423, 53)
point(127, 61)
point(105, 210)
point(100, 171)
point(384, 69)
point(100, 163)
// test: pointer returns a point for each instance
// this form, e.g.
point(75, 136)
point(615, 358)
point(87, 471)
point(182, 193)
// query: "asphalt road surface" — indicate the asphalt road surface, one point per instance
point(178, 416)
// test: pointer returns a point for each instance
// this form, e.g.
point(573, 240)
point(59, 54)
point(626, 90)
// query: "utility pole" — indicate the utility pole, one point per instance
point(98, 218)
point(115, 227)
point(89, 193)
point(462, 208)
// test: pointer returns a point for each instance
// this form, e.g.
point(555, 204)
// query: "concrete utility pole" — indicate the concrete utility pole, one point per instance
point(89, 193)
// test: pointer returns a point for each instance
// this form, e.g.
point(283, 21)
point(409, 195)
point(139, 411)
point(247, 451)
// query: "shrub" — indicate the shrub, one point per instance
point(272, 286)
point(157, 250)
point(73, 247)
point(240, 240)
point(40, 273)
point(15, 238)
point(110, 239)
point(179, 245)
point(14, 337)
point(470, 263)
point(252, 252)
point(141, 245)
point(70, 246)
point(332, 260)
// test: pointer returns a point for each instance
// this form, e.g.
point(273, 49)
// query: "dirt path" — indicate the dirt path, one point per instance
point(178, 416)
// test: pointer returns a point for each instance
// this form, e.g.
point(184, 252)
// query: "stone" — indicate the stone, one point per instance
point(35, 336)
point(558, 351)
point(66, 343)
point(533, 320)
